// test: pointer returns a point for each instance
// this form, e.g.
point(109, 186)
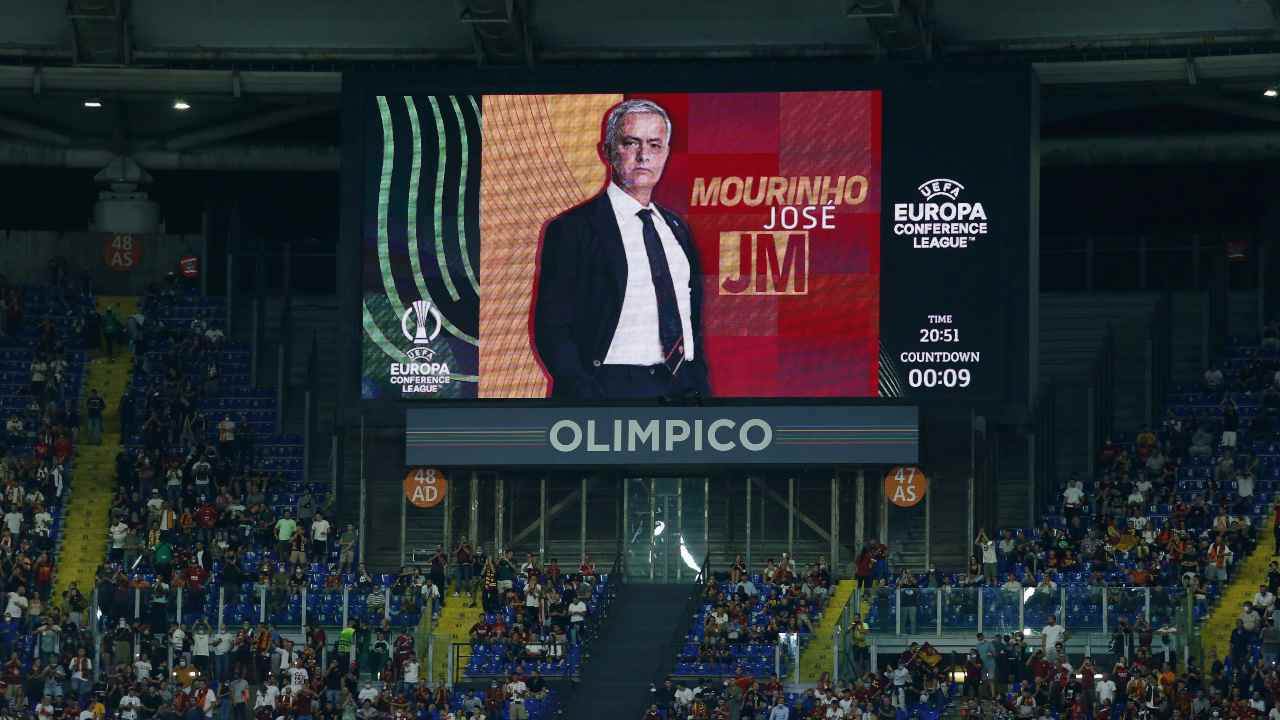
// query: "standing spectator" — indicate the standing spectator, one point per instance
point(347, 546)
point(1051, 635)
point(1230, 422)
point(94, 407)
point(910, 600)
point(81, 669)
point(111, 329)
point(988, 548)
point(39, 377)
point(226, 437)
point(1213, 379)
point(320, 538)
point(284, 529)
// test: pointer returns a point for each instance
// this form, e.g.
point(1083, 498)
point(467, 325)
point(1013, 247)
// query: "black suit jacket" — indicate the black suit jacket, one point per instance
point(582, 277)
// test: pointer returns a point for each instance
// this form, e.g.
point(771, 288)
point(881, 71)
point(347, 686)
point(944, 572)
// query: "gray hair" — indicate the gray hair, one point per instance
point(613, 123)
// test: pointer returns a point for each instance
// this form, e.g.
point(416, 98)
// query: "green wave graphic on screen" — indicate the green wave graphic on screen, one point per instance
point(462, 193)
point(438, 209)
point(382, 312)
point(384, 200)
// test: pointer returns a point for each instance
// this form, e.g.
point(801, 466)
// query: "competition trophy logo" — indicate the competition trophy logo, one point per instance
point(421, 310)
point(420, 375)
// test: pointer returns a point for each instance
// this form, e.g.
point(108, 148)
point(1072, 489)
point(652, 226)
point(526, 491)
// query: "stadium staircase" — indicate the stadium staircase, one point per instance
point(87, 514)
point(453, 628)
point(1215, 632)
point(817, 655)
point(634, 651)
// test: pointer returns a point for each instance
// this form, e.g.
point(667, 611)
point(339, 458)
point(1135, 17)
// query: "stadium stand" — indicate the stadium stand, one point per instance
point(43, 335)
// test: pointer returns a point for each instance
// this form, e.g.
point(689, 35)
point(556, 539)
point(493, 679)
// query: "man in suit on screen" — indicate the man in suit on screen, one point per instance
point(619, 307)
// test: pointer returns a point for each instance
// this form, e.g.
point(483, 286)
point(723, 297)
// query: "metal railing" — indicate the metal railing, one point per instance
point(922, 614)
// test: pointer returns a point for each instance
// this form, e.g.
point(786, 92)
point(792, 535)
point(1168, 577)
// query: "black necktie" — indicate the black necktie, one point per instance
point(670, 329)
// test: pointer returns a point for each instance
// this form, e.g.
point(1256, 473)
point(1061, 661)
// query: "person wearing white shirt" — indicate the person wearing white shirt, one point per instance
point(1264, 599)
point(1073, 496)
point(684, 696)
point(17, 606)
point(119, 532)
point(320, 537)
point(267, 697)
point(129, 703)
point(1050, 635)
point(200, 646)
point(298, 676)
point(577, 616)
point(13, 521)
point(42, 521)
point(368, 692)
point(1106, 689)
point(410, 681)
point(901, 676)
point(45, 709)
point(618, 309)
point(1244, 488)
point(81, 669)
point(221, 655)
point(142, 669)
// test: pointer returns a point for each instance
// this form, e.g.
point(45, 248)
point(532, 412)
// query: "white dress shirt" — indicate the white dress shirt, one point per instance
point(636, 341)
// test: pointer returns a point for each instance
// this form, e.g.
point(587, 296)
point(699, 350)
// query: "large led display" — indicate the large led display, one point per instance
point(658, 245)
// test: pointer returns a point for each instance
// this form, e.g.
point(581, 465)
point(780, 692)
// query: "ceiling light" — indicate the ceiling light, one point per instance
point(1270, 92)
point(93, 103)
point(181, 104)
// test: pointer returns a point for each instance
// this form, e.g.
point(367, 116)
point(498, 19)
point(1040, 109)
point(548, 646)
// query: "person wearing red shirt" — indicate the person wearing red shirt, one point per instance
point(206, 519)
point(1040, 668)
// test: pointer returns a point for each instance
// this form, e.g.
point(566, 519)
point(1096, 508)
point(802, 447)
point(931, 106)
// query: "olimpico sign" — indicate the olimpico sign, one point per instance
point(765, 435)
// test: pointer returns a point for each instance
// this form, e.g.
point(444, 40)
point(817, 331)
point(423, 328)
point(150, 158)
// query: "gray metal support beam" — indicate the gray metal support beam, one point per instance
point(550, 514)
point(473, 511)
point(29, 131)
point(835, 522)
point(255, 123)
point(229, 157)
point(771, 494)
point(582, 519)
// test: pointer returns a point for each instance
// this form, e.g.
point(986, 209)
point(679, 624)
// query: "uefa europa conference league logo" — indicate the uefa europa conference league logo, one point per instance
point(420, 374)
point(942, 220)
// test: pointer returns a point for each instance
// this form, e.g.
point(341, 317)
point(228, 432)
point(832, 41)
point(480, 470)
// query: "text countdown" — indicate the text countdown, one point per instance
point(938, 358)
point(905, 486)
point(425, 487)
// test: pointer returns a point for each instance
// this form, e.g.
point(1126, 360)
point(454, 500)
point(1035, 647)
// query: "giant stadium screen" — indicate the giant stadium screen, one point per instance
point(634, 245)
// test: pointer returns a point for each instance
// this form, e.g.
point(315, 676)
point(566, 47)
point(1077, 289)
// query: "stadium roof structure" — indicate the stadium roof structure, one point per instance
point(81, 80)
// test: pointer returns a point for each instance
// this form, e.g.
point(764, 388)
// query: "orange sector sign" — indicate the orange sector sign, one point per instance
point(121, 252)
point(905, 486)
point(425, 487)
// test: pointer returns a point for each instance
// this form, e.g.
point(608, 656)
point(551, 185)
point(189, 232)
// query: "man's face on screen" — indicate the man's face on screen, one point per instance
point(639, 153)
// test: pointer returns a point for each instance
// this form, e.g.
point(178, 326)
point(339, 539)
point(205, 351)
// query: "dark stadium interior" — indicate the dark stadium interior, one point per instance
point(282, 434)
